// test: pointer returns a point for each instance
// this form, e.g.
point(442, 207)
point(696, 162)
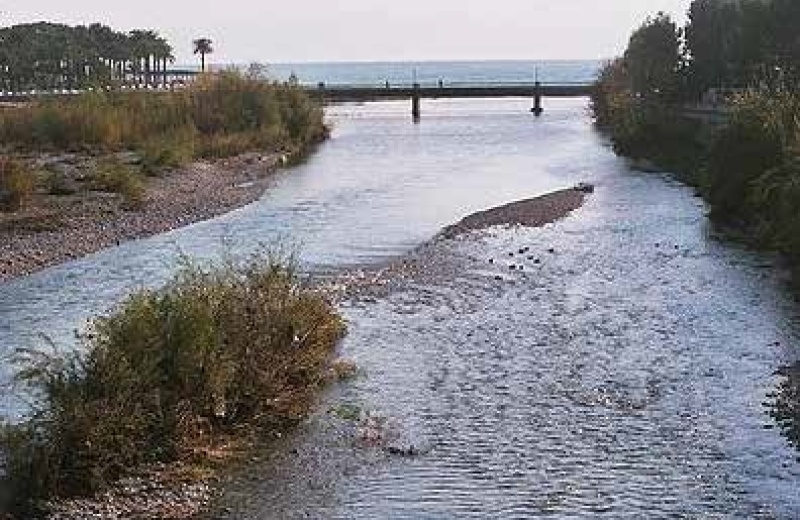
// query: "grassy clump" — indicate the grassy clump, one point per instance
point(124, 179)
point(215, 351)
point(17, 184)
point(221, 114)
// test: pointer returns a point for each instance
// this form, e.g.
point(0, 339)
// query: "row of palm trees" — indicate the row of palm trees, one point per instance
point(49, 56)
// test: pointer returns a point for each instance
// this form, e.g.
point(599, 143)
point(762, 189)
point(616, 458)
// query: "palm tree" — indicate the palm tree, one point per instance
point(202, 46)
point(163, 55)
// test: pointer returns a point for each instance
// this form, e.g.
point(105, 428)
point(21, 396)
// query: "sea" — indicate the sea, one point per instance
point(431, 72)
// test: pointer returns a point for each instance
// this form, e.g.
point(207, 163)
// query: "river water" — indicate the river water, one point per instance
point(621, 376)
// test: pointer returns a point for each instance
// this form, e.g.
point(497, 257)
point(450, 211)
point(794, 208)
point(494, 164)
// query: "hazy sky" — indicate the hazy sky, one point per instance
point(356, 30)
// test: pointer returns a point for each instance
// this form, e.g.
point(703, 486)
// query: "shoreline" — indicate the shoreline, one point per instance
point(76, 226)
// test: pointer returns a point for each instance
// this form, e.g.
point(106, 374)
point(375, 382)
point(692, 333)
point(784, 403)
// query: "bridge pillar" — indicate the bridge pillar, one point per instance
point(537, 100)
point(415, 103)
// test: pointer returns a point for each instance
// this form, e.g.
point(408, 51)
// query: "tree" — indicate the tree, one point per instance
point(45, 55)
point(713, 44)
point(202, 46)
point(786, 19)
point(653, 59)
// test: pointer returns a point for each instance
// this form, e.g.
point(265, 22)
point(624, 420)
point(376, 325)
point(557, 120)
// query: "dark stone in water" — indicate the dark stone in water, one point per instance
point(403, 451)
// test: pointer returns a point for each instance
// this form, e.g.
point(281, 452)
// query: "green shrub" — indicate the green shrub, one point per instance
point(59, 183)
point(115, 177)
point(158, 155)
point(756, 141)
point(17, 184)
point(242, 345)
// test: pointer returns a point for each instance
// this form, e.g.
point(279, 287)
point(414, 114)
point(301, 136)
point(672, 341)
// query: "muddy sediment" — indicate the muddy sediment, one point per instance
point(64, 228)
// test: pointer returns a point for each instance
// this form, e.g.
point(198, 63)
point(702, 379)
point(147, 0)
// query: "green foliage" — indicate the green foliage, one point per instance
point(46, 55)
point(743, 44)
point(610, 92)
point(112, 176)
point(753, 173)
point(57, 183)
point(713, 43)
point(203, 46)
point(158, 154)
point(238, 345)
point(753, 143)
point(653, 57)
point(17, 184)
point(219, 115)
point(644, 127)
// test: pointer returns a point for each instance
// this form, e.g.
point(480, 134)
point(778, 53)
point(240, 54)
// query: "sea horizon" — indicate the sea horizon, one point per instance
point(429, 71)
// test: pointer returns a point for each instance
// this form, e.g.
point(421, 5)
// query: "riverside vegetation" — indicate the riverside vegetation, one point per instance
point(219, 352)
point(218, 115)
point(131, 136)
point(748, 167)
point(85, 172)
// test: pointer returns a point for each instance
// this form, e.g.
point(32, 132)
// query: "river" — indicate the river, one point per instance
point(621, 376)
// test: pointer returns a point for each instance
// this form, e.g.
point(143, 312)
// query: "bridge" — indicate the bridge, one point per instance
point(332, 93)
point(415, 92)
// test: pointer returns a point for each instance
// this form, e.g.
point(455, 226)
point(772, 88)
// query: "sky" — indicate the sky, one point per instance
point(272, 31)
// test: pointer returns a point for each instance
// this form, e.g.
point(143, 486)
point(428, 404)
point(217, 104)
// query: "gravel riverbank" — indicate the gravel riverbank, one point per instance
point(63, 228)
point(533, 212)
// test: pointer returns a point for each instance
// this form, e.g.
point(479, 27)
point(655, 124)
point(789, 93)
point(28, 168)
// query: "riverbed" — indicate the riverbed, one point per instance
point(619, 370)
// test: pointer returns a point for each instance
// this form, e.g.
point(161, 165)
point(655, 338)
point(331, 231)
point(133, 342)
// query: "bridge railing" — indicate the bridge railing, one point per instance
point(443, 84)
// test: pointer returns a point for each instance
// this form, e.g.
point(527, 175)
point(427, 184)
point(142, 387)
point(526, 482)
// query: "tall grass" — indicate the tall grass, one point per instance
point(221, 114)
point(239, 345)
point(17, 184)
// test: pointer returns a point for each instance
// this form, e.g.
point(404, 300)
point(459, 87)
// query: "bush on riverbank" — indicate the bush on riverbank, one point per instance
point(753, 170)
point(16, 184)
point(215, 351)
point(244, 112)
point(126, 180)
